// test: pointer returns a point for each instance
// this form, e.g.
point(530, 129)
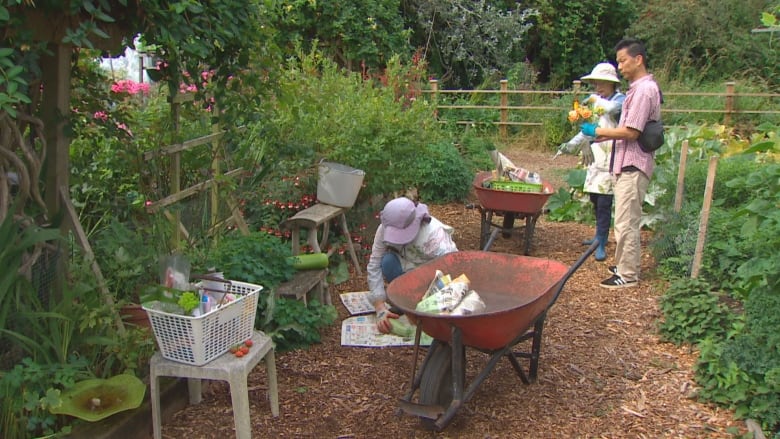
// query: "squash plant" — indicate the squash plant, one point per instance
point(262, 258)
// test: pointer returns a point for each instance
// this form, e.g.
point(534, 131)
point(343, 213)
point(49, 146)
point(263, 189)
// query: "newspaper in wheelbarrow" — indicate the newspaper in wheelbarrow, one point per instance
point(450, 296)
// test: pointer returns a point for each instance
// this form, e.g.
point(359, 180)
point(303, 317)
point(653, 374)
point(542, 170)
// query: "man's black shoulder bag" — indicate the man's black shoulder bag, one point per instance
point(652, 137)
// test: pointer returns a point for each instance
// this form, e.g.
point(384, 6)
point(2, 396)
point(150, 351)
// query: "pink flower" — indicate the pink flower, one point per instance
point(130, 87)
point(101, 115)
point(124, 128)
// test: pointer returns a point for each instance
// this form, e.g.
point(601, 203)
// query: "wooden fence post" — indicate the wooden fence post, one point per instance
point(435, 89)
point(729, 103)
point(504, 110)
point(678, 196)
point(705, 217)
point(576, 86)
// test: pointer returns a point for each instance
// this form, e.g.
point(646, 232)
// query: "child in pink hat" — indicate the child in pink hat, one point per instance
point(407, 237)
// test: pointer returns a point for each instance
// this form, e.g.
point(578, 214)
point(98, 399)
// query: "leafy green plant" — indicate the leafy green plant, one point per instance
point(443, 173)
point(19, 242)
point(128, 257)
point(29, 389)
point(188, 301)
point(693, 312)
point(678, 36)
point(262, 258)
point(570, 204)
point(369, 127)
point(467, 48)
point(295, 324)
point(737, 367)
point(742, 372)
point(259, 258)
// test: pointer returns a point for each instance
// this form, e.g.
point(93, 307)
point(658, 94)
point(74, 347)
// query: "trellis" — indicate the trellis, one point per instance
point(179, 194)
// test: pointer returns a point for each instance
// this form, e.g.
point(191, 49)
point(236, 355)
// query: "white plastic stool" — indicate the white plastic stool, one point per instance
point(228, 368)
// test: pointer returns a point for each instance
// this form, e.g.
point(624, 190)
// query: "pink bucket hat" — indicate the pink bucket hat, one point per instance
point(401, 219)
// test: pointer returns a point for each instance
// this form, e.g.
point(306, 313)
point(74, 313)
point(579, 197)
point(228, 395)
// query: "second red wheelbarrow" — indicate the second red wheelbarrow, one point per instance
point(517, 291)
point(509, 205)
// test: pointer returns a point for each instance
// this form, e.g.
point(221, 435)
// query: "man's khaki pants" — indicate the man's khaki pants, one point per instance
point(630, 189)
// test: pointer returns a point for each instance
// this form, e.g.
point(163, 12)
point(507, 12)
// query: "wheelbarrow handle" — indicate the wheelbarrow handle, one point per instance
point(574, 267)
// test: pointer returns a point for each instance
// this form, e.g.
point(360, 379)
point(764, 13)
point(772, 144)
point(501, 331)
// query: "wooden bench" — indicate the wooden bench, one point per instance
point(311, 219)
point(303, 282)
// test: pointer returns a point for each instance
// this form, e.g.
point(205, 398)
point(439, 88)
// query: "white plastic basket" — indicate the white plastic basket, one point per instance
point(198, 340)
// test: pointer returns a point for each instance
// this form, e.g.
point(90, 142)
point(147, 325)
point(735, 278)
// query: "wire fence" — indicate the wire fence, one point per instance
point(680, 243)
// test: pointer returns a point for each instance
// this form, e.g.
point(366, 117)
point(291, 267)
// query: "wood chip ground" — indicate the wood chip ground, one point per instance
point(604, 371)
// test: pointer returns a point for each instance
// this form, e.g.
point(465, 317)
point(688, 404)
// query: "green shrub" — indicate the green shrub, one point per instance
point(367, 126)
point(258, 258)
point(693, 312)
point(738, 364)
point(743, 372)
point(444, 175)
point(28, 390)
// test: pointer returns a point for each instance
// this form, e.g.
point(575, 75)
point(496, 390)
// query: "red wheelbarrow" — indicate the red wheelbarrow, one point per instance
point(510, 205)
point(517, 291)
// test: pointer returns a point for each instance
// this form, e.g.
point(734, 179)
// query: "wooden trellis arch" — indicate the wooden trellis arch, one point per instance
point(179, 194)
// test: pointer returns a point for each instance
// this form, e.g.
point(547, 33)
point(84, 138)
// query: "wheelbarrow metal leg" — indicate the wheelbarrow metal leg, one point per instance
point(495, 357)
point(536, 348)
point(530, 225)
point(490, 240)
point(486, 219)
point(417, 374)
point(458, 370)
point(532, 357)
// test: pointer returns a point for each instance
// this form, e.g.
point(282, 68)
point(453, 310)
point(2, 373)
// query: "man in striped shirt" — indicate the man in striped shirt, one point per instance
point(631, 167)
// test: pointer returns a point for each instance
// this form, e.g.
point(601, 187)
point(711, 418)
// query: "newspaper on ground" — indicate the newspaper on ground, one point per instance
point(357, 302)
point(360, 331)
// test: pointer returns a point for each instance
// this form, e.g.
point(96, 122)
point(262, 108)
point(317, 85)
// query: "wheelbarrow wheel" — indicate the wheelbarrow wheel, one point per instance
point(436, 384)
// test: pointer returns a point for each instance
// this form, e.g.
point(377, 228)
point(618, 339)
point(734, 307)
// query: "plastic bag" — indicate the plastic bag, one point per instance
point(471, 304)
point(444, 299)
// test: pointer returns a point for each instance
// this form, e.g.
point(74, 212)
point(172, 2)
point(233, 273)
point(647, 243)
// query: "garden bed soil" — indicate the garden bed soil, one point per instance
point(604, 371)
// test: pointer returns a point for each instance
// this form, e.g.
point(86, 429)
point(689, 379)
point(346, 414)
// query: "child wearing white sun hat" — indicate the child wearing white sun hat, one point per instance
point(596, 155)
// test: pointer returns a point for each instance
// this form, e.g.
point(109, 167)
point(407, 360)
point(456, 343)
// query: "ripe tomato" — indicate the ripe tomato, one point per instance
point(239, 353)
point(244, 350)
point(249, 343)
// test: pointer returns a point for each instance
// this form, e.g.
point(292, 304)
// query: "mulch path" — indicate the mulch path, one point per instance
point(604, 372)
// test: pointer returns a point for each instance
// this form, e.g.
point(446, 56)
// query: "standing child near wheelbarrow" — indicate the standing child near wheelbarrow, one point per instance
point(596, 155)
point(407, 237)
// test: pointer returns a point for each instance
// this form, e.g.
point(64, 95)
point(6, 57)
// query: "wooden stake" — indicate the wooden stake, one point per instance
point(83, 242)
point(705, 216)
point(678, 198)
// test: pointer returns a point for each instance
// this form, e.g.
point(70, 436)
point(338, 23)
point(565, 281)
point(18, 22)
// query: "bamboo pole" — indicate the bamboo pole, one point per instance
point(705, 217)
point(215, 172)
point(729, 103)
point(678, 197)
point(175, 170)
point(504, 113)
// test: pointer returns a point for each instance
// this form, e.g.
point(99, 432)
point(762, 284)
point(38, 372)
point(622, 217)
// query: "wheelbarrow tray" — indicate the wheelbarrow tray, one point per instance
point(516, 291)
point(528, 203)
